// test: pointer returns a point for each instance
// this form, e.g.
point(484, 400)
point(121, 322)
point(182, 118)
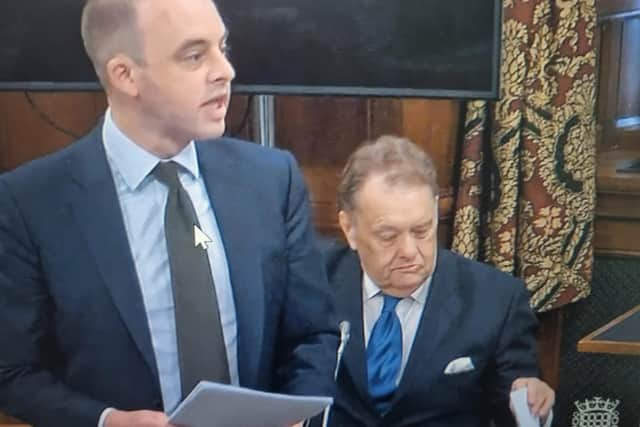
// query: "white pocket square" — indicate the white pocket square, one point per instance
point(459, 365)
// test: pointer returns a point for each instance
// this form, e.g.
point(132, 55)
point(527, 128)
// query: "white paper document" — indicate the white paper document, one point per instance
point(520, 408)
point(218, 405)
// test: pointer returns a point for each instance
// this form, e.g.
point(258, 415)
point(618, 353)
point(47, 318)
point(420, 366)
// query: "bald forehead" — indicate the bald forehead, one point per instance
point(170, 27)
point(169, 22)
point(164, 11)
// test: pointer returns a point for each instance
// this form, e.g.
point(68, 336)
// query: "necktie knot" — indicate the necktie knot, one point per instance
point(167, 173)
point(390, 303)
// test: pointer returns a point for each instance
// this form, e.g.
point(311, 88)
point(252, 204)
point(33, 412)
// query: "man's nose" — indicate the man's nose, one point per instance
point(221, 69)
point(408, 247)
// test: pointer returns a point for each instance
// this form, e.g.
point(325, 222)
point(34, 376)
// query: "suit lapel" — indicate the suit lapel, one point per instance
point(223, 178)
point(349, 304)
point(95, 204)
point(442, 308)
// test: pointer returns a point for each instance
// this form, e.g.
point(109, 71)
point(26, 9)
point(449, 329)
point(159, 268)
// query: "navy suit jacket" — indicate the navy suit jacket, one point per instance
point(74, 337)
point(472, 310)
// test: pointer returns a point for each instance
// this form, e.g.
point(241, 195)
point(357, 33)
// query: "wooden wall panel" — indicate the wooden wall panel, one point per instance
point(618, 41)
point(617, 224)
point(629, 92)
point(322, 132)
point(610, 8)
point(549, 341)
point(610, 33)
point(239, 117)
point(24, 134)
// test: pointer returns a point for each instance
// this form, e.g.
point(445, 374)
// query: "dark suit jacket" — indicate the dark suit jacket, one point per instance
point(472, 310)
point(74, 337)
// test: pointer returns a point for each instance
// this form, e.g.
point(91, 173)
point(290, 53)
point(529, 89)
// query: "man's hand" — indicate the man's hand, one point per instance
point(117, 418)
point(540, 396)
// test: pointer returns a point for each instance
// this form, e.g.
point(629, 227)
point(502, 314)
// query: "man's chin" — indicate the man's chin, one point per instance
point(409, 281)
point(211, 131)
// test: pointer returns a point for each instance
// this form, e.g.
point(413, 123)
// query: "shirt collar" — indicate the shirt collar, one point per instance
point(371, 289)
point(133, 162)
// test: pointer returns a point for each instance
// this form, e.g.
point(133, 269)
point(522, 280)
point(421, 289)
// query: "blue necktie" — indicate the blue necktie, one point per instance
point(384, 355)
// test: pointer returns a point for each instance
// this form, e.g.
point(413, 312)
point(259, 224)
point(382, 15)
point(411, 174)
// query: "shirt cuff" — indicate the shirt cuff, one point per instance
point(103, 416)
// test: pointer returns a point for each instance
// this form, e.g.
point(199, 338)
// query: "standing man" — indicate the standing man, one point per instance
point(137, 261)
point(436, 339)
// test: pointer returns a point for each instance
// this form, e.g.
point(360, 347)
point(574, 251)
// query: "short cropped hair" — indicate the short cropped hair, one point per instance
point(398, 159)
point(110, 27)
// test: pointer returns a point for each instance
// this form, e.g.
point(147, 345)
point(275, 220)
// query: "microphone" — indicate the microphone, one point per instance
point(345, 335)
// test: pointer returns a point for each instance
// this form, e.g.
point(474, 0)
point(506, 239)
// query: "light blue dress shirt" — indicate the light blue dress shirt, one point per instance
point(142, 200)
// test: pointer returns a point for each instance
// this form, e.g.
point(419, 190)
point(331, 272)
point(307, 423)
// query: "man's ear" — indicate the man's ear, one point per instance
point(347, 225)
point(121, 75)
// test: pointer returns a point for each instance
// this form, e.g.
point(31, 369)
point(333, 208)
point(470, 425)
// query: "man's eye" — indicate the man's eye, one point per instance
point(194, 57)
point(421, 233)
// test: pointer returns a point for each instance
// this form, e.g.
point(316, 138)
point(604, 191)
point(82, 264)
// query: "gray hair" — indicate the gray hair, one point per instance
point(398, 159)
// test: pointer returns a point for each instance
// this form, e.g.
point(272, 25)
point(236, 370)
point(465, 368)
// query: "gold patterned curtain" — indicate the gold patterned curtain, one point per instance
point(526, 191)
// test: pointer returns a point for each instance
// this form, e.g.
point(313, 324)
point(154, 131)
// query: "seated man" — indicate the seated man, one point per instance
point(436, 339)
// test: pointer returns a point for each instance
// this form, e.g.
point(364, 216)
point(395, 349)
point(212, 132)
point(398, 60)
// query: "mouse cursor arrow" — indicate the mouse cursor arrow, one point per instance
point(199, 238)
